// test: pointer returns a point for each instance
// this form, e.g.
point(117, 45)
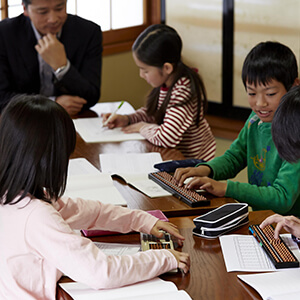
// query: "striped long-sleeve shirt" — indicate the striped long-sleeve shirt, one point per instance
point(179, 128)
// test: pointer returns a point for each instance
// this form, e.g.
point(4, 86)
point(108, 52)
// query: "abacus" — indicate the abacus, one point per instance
point(279, 253)
point(149, 241)
point(167, 182)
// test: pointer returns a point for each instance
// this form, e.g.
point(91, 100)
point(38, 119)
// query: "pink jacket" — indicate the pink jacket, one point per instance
point(38, 245)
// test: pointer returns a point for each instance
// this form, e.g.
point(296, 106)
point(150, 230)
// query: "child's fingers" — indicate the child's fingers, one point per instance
point(276, 218)
point(183, 260)
point(184, 263)
point(168, 227)
point(181, 174)
point(278, 228)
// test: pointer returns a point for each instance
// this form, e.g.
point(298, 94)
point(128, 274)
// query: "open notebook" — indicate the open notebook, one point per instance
point(87, 182)
point(134, 169)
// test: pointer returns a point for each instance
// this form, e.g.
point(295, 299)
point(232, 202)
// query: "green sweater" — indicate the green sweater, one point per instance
point(272, 182)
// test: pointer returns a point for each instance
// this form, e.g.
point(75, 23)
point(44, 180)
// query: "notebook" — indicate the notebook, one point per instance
point(133, 168)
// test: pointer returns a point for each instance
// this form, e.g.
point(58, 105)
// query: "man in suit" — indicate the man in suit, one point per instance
point(46, 51)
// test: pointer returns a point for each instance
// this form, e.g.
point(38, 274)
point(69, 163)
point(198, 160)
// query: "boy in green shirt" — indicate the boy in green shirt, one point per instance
point(269, 71)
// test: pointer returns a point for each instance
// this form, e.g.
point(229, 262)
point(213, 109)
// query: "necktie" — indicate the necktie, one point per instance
point(47, 87)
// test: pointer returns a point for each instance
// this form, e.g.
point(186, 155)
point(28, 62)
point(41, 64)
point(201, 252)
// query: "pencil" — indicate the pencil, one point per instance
point(113, 114)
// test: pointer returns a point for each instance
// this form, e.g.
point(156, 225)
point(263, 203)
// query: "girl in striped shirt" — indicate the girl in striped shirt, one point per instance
point(174, 111)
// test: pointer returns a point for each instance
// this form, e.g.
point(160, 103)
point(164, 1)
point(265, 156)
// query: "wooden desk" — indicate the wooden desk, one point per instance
point(170, 205)
point(208, 278)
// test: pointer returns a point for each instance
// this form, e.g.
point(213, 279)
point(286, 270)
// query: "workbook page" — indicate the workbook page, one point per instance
point(243, 253)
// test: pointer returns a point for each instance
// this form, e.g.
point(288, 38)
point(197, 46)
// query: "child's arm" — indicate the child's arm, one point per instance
point(85, 214)
point(281, 195)
point(81, 260)
point(178, 118)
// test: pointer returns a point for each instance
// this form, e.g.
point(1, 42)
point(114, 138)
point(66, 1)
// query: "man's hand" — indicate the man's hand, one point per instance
point(72, 104)
point(52, 51)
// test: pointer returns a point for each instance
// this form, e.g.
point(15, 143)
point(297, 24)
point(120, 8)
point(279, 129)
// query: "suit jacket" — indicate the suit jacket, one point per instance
point(19, 66)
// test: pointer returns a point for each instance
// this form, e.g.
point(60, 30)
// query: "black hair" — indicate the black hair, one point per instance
point(26, 3)
point(159, 44)
point(270, 60)
point(37, 137)
point(286, 124)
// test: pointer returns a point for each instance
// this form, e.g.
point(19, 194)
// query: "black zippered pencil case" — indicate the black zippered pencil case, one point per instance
point(221, 220)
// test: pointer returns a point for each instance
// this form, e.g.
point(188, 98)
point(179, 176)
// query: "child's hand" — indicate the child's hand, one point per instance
point(212, 186)
point(168, 227)
point(115, 121)
point(183, 260)
point(136, 127)
point(289, 223)
point(181, 174)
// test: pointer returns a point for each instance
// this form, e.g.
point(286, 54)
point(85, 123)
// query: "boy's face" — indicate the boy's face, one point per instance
point(264, 99)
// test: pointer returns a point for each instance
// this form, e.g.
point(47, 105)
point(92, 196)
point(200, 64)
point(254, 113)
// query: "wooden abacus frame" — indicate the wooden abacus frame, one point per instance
point(277, 250)
point(190, 197)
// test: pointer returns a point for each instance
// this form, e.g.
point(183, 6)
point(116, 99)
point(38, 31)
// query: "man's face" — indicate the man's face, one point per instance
point(48, 16)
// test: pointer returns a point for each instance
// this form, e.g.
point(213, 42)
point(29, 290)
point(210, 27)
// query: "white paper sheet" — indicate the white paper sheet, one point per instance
point(108, 107)
point(152, 289)
point(275, 285)
point(118, 249)
point(129, 163)
point(92, 131)
point(80, 166)
point(243, 253)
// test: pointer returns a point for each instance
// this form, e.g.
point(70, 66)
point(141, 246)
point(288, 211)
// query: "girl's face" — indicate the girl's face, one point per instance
point(264, 99)
point(155, 76)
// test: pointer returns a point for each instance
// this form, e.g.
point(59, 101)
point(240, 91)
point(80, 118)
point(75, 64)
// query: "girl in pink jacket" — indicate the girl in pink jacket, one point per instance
point(37, 241)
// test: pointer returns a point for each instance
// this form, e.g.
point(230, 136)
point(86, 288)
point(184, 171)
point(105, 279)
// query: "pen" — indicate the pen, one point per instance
point(109, 118)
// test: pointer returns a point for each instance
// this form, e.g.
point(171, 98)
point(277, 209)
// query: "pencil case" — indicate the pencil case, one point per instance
point(221, 220)
point(172, 165)
point(97, 232)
